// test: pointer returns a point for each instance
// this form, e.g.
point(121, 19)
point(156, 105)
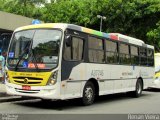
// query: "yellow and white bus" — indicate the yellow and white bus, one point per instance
point(64, 61)
point(156, 83)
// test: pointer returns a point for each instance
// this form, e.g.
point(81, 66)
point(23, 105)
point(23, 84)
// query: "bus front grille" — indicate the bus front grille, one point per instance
point(36, 82)
point(27, 91)
point(27, 80)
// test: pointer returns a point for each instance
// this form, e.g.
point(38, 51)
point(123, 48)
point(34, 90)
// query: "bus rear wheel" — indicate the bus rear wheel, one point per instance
point(138, 89)
point(88, 94)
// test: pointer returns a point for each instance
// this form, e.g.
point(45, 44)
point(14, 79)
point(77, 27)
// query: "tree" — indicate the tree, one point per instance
point(23, 7)
point(154, 37)
point(136, 18)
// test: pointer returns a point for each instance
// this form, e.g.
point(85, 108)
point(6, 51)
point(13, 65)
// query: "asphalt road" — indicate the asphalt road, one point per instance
point(148, 103)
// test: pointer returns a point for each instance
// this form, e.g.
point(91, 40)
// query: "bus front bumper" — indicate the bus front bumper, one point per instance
point(44, 92)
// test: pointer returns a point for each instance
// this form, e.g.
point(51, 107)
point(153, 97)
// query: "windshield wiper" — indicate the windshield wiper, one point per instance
point(26, 50)
point(35, 63)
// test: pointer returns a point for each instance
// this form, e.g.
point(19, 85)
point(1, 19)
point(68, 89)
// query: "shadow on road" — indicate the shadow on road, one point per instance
point(68, 104)
point(153, 90)
point(48, 104)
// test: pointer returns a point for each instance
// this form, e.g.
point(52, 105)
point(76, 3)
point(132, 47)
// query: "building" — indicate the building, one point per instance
point(9, 22)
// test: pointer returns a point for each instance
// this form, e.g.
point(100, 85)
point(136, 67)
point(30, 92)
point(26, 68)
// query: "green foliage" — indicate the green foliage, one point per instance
point(154, 37)
point(22, 7)
point(2, 2)
point(136, 18)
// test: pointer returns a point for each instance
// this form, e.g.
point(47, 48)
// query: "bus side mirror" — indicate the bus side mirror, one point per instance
point(68, 40)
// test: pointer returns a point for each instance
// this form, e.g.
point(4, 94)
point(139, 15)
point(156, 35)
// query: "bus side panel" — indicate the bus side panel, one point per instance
point(147, 73)
point(78, 74)
point(111, 78)
point(122, 76)
point(73, 74)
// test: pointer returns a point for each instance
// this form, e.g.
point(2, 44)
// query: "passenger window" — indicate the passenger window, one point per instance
point(95, 43)
point(96, 50)
point(150, 57)
point(75, 50)
point(111, 52)
point(134, 55)
point(124, 55)
point(143, 56)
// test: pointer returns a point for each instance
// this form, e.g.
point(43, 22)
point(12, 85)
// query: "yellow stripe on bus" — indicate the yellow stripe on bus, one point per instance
point(32, 77)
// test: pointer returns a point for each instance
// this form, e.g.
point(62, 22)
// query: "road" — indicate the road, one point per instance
point(149, 102)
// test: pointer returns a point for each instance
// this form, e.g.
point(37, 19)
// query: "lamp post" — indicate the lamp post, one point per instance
point(102, 18)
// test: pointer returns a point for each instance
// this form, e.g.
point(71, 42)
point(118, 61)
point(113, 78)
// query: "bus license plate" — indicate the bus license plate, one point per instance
point(26, 87)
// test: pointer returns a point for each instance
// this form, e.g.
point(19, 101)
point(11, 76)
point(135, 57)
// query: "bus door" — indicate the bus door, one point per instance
point(73, 67)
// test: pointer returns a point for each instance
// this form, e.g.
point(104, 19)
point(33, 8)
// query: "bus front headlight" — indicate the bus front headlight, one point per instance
point(53, 79)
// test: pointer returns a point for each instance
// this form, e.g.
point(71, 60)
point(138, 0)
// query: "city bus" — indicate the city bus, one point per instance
point(156, 83)
point(58, 61)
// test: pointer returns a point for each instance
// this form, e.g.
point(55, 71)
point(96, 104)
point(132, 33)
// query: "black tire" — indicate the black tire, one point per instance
point(138, 89)
point(88, 94)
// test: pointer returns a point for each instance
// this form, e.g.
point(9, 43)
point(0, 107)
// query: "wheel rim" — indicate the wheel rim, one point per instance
point(139, 88)
point(88, 94)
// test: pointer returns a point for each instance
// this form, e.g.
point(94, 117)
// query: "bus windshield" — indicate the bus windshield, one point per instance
point(34, 49)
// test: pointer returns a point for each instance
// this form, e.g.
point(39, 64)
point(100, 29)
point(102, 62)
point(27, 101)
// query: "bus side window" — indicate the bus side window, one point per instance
point(143, 56)
point(111, 51)
point(74, 51)
point(134, 55)
point(96, 50)
point(150, 57)
point(124, 54)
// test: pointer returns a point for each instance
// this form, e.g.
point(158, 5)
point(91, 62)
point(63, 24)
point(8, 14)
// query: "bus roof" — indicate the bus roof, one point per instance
point(64, 26)
point(113, 36)
point(129, 39)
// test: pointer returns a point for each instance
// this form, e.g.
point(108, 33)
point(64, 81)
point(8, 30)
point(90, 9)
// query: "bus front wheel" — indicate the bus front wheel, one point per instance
point(88, 94)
